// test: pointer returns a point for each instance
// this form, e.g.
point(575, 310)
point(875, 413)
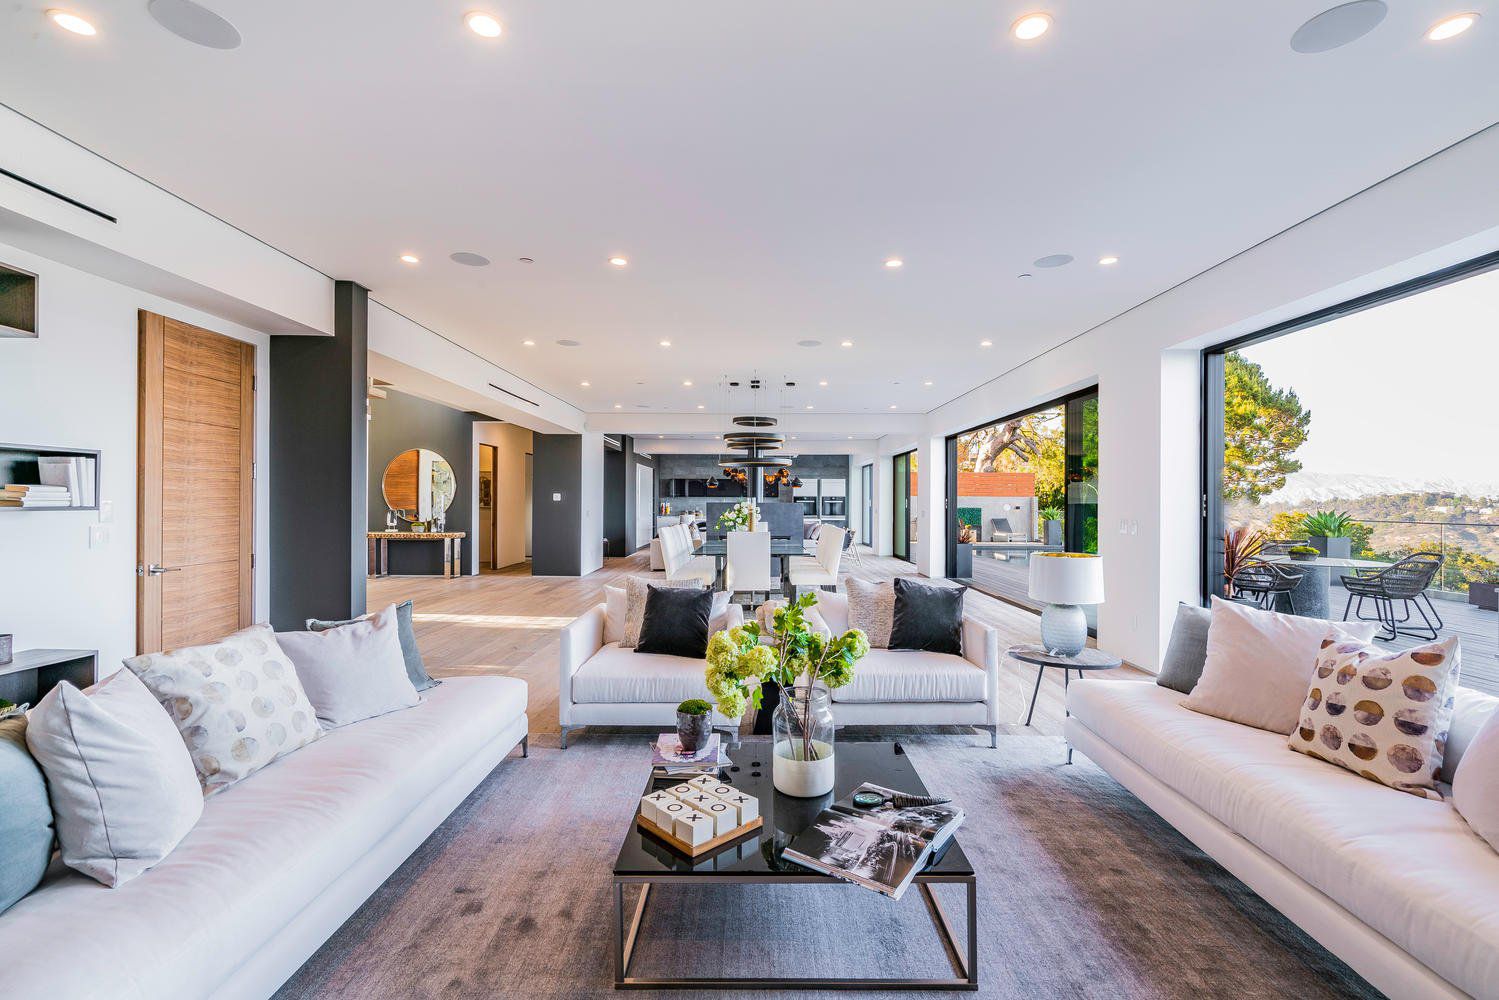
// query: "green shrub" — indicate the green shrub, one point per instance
point(971, 516)
point(1051, 513)
point(1328, 524)
point(694, 706)
point(1306, 550)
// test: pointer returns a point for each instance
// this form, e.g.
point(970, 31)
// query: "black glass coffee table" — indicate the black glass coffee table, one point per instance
point(755, 859)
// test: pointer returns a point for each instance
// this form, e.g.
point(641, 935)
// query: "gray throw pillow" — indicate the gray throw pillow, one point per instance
point(1187, 651)
point(25, 815)
point(416, 670)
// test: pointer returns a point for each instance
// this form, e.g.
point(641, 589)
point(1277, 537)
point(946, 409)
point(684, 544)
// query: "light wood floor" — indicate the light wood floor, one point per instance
point(509, 622)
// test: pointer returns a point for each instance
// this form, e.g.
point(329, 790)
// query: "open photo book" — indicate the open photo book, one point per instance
point(881, 848)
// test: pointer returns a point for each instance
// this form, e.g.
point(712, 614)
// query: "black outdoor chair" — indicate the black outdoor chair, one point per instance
point(1262, 582)
point(1405, 581)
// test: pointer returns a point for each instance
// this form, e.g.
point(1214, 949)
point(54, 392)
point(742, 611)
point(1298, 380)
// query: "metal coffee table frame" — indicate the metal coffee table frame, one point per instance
point(964, 963)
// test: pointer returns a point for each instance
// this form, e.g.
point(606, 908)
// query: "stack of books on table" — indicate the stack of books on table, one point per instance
point(26, 495)
point(669, 760)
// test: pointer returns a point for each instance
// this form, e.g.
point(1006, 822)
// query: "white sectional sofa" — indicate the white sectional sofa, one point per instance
point(1399, 887)
point(601, 684)
point(900, 687)
point(276, 864)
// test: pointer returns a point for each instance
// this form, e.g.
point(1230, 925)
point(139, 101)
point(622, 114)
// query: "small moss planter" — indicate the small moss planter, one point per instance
point(694, 724)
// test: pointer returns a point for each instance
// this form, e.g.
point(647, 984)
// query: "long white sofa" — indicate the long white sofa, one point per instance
point(276, 864)
point(601, 684)
point(1398, 887)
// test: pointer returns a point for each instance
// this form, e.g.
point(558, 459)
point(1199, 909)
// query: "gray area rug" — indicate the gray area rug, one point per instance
point(1083, 892)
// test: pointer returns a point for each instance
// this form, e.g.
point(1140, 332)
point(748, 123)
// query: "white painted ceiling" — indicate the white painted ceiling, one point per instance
point(756, 163)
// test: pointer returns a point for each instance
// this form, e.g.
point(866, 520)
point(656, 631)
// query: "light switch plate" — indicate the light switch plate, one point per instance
point(106, 511)
point(556, 498)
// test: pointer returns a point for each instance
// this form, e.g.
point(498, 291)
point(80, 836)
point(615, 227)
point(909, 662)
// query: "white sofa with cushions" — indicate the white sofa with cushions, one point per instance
point(601, 683)
point(899, 687)
point(1398, 887)
point(275, 865)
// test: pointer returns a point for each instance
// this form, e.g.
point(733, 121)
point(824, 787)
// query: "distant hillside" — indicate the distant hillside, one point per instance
point(1304, 488)
point(1405, 507)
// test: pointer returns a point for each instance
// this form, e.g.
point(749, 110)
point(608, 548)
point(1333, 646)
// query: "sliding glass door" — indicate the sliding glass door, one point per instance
point(903, 510)
point(1023, 484)
point(866, 493)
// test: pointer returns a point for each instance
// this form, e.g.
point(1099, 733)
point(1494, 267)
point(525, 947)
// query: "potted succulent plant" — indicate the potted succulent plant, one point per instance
point(1304, 553)
point(694, 724)
point(1051, 524)
point(1329, 532)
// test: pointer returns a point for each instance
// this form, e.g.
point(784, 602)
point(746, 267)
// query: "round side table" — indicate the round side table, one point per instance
point(1088, 659)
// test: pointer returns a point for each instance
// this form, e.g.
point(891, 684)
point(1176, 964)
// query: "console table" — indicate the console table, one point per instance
point(34, 672)
point(451, 554)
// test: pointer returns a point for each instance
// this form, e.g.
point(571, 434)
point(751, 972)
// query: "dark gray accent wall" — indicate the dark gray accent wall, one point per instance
point(317, 467)
point(614, 501)
point(400, 422)
point(632, 460)
point(556, 525)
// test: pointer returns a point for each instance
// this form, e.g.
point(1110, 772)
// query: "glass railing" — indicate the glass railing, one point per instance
point(1469, 549)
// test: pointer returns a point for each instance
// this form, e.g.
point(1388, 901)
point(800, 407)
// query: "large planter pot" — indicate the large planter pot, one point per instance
point(1484, 595)
point(693, 730)
point(802, 763)
point(1052, 531)
point(1332, 548)
point(964, 568)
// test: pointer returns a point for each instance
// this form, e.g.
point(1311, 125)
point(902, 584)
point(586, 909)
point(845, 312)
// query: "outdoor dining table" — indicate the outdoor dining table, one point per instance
point(1312, 595)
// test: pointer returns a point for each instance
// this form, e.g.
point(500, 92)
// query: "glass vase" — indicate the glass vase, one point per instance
point(802, 765)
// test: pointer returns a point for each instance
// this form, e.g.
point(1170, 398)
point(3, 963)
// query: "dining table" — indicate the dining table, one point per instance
point(780, 547)
point(1313, 595)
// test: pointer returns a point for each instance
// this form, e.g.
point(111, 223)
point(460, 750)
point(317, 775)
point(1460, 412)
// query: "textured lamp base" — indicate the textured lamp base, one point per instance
point(1064, 629)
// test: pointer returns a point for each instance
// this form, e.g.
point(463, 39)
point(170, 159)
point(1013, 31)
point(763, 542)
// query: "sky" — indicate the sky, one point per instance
point(1408, 389)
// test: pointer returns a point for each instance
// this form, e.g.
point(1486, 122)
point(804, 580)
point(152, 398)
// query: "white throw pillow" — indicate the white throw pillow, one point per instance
point(1259, 664)
point(352, 672)
point(1381, 715)
point(237, 703)
point(122, 785)
point(871, 607)
point(1475, 787)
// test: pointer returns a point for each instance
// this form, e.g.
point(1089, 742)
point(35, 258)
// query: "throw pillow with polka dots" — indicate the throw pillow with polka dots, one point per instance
point(238, 703)
point(1380, 714)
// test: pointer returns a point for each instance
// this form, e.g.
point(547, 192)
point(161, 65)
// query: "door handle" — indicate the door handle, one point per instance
point(155, 570)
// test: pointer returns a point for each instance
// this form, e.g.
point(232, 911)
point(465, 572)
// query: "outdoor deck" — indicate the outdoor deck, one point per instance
point(1478, 629)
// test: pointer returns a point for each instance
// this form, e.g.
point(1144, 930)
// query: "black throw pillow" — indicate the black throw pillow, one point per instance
point(928, 616)
point(675, 622)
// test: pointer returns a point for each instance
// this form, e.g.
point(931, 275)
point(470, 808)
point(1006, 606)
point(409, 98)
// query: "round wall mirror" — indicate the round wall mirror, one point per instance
point(419, 482)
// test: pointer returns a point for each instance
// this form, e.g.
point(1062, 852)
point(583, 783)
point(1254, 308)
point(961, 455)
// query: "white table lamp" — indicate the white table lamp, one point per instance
point(1065, 580)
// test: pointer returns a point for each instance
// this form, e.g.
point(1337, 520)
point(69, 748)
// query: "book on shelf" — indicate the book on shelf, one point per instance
point(72, 472)
point(880, 848)
point(29, 495)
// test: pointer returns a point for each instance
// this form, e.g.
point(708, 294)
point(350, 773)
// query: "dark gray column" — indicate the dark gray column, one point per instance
point(556, 504)
point(317, 470)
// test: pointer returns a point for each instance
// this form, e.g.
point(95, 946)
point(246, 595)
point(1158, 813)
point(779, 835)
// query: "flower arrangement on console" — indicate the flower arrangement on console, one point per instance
point(795, 662)
point(739, 517)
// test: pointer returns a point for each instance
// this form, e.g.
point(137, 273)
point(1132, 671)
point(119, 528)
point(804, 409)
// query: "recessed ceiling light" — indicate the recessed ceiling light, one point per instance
point(809, 343)
point(528, 343)
point(700, 406)
point(1031, 26)
point(927, 383)
point(1337, 26)
point(1106, 261)
point(1053, 260)
point(809, 406)
point(468, 258)
point(892, 406)
point(823, 383)
point(526, 260)
point(986, 343)
point(847, 343)
point(410, 258)
point(69, 21)
point(585, 383)
point(663, 343)
point(618, 406)
point(195, 23)
point(569, 343)
point(619, 261)
point(895, 262)
point(1451, 26)
point(483, 24)
point(687, 382)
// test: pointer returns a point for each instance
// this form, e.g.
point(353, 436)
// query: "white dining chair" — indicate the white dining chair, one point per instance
point(681, 564)
point(822, 570)
point(748, 566)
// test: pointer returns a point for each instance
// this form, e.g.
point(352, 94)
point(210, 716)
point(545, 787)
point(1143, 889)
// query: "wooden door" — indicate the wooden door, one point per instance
point(196, 507)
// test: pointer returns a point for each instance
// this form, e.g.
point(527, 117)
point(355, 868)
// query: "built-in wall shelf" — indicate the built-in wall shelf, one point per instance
point(17, 302)
point(21, 464)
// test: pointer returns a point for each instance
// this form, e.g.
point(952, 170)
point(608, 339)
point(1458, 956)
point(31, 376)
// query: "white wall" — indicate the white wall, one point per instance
point(591, 544)
point(75, 386)
point(511, 491)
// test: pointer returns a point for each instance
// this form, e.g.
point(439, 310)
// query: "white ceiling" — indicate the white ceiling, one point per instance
point(756, 164)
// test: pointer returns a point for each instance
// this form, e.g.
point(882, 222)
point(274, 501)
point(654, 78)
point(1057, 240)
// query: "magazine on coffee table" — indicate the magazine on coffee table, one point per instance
point(668, 759)
point(881, 848)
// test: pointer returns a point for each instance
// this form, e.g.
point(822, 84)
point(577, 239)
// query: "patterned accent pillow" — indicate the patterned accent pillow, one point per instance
point(237, 703)
point(871, 607)
point(1381, 715)
point(635, 591)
